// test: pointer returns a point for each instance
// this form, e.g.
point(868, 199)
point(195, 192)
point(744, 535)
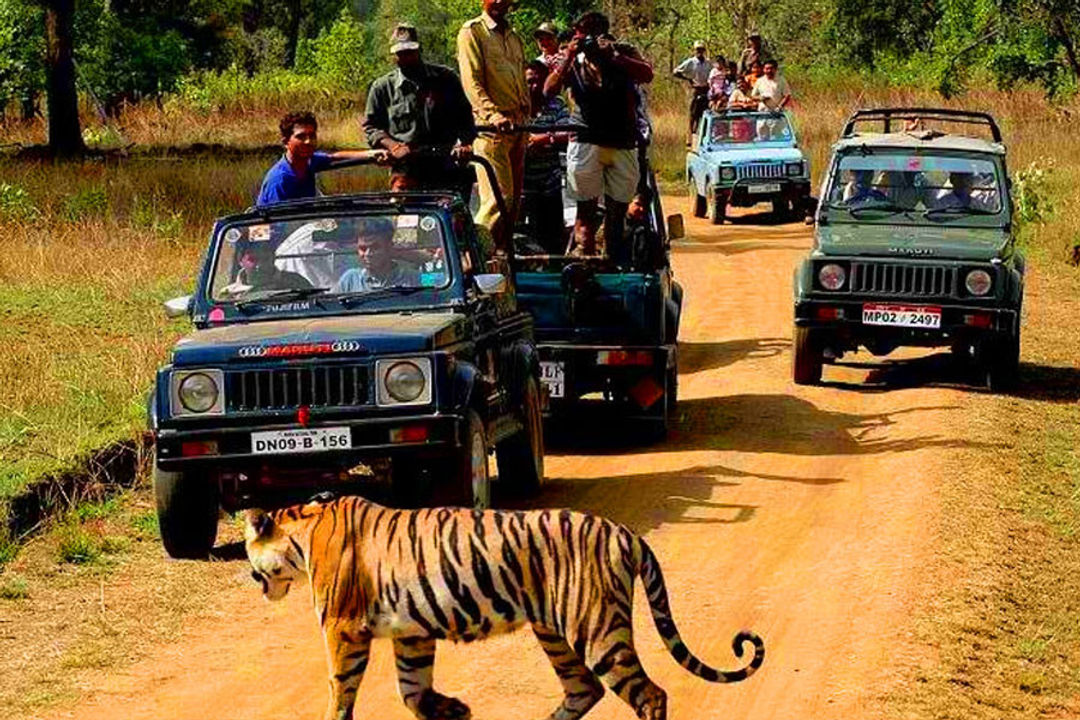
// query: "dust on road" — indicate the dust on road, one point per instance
point(805, 514)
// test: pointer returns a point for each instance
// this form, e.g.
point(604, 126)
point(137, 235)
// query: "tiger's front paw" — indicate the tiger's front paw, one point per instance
point(434, 706)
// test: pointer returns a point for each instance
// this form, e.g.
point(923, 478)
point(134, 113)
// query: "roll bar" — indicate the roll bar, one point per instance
point(887, 115)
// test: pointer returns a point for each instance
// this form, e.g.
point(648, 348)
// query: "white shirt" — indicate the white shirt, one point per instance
point(696, 69)
point(770, 92)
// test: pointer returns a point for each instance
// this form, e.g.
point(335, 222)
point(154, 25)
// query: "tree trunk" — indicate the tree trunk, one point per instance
point(65, 136)
point(293, 37)
point(1070, 48)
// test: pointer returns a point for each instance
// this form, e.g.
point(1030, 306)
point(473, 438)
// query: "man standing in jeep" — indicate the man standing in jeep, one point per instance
point(419, 106)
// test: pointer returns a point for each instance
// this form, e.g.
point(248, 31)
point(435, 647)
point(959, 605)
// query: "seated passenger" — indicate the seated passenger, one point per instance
point(961, 197)
point(740, 97)
point(381, 266)
point(258, 272)
point(861, 191)
point(902, 190)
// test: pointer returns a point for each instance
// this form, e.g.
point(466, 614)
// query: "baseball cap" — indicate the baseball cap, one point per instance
point(546, 28)
point(699, 45)
point(404, 38)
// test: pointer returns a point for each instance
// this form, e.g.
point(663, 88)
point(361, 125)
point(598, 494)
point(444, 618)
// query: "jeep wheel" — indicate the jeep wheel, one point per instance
point(716, 208)
point(660, 424)
point(807, 358)
point(470, 484)
point(187, 510)
point(521, 458)
point(1003, 365)
point(700, 204)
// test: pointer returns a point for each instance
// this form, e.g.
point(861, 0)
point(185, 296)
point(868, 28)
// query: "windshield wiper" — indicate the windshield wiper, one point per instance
point(356, 298)
point(262, 296)
point(883, 207)
point(959, 210)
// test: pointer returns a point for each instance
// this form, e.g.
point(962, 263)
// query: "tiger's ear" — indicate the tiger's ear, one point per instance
point(259, 524)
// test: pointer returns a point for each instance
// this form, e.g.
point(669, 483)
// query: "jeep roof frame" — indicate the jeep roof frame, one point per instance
point(887, 114)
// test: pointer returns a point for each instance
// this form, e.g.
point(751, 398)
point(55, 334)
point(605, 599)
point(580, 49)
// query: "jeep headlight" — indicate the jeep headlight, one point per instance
point(978, 282)
point(794, 169)
point(405, 381)
point(727, 173)
point(198, 391)
point(832, 276)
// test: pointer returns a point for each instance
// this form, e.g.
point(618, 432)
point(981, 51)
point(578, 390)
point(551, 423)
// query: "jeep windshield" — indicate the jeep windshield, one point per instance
point(749, 129)
point(928, 189)
point(342, 257)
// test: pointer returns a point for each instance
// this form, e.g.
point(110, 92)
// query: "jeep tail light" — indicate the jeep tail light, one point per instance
point(828, 313)
point(979, 320)
point(198, 448)
point(409, 433)
point(624, 357)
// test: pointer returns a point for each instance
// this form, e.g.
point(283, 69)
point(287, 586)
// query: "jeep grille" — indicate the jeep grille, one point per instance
point(903, 279)
point(759, 170)
point(291, 387)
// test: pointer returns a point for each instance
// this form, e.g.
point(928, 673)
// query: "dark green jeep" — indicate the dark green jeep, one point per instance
point(914, 246)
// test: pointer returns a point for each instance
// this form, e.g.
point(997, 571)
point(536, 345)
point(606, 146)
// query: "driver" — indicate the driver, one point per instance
point(381, 265)
point(259, 272)
point(861, 191)
point(961, 196)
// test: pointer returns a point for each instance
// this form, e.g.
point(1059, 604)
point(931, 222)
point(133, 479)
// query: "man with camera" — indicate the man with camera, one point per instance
point(602, 160)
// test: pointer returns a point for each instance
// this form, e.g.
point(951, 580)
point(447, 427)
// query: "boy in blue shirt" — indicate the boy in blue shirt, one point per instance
point(293, 176)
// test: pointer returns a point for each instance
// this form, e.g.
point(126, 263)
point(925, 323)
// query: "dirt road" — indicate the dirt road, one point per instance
point(805, 514)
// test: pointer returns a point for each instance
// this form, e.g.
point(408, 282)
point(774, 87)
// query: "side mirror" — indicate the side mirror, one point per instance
point(675, 228)
point(491, 283)
point(178, 306)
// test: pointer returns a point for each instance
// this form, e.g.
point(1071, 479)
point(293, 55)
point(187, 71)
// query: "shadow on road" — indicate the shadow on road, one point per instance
point(1048, 383)
point(699, 356)
point(735, 248)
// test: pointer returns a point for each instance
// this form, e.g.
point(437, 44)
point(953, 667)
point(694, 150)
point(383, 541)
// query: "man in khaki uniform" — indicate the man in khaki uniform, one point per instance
point(491, 58)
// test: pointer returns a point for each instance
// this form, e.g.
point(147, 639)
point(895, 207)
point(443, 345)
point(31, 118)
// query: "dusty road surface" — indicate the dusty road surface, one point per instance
point(805, 514)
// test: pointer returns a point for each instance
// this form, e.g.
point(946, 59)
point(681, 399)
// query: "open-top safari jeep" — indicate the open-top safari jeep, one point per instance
point(335, 337)
point(914, 246)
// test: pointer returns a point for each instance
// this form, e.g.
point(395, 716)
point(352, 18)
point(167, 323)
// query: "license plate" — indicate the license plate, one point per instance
point(553, 375)
point(916, 316)
point(301, 440)
point(763, 188)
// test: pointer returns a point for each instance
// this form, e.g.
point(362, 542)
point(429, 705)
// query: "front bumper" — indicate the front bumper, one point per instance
point(607, 374)
point(738, 194)
point(843, 319)
point(231, 446)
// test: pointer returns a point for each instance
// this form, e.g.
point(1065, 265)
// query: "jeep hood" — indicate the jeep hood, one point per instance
point(732, 156)
point(921, 241)
point(349, 335)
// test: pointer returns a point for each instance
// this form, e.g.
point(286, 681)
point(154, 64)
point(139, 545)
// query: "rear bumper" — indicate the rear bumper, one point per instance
point(222, 448)
point(631, 376)
point(958, 321)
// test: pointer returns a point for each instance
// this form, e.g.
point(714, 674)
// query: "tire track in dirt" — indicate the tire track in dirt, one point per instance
point(805, 514)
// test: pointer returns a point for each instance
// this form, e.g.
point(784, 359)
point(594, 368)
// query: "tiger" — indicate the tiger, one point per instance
point(417, 576)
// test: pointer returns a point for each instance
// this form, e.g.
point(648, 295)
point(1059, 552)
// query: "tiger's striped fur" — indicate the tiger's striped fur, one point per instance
point(420, 575)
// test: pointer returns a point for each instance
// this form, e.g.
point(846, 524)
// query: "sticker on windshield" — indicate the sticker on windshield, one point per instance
point(427, 224)
point(914, 163)
point(232, 235)
point(326, 225)
point(259, 233)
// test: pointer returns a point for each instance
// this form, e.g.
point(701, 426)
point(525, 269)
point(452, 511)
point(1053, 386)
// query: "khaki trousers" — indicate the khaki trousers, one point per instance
point(506, 153)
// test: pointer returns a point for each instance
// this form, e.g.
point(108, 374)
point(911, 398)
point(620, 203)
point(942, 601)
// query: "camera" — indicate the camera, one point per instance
point(591, 47)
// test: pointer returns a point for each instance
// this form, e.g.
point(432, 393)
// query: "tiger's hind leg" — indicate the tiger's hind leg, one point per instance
point(582, 688)
point(615, 661)
point(348, 659)
point(416, 666)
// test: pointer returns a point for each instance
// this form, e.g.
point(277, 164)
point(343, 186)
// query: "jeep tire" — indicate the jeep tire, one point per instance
point(187, 510)
point(469, 484)
point(716, 208)
point(1003, 364)
point(520, 458)
point(806, 358)
point(700, 204)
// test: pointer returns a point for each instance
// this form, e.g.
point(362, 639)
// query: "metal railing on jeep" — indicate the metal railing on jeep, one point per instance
point(887, 115)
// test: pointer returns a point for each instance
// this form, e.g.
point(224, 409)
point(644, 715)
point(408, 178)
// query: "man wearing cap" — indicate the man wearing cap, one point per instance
point(419, 105)
point(547, 39)
point(491, 58)
point(695, 70)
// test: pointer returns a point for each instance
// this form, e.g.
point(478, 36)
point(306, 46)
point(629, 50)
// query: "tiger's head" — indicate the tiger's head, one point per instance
point(276, 557)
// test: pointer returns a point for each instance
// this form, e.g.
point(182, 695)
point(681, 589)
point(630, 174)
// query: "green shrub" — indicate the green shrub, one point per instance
point(13, 587)
point(75, 545)
point(1031, 192)
point(91, 201)
point(146, 525)
point(15, 203)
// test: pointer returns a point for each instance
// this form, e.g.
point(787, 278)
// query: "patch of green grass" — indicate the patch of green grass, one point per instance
point(13, 587)
point(76, 546)
point(97, 510)
point(146, 525)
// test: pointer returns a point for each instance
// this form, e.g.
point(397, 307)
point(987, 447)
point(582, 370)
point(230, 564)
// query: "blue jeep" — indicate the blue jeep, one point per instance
point(744, 157)
point(340, 340)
